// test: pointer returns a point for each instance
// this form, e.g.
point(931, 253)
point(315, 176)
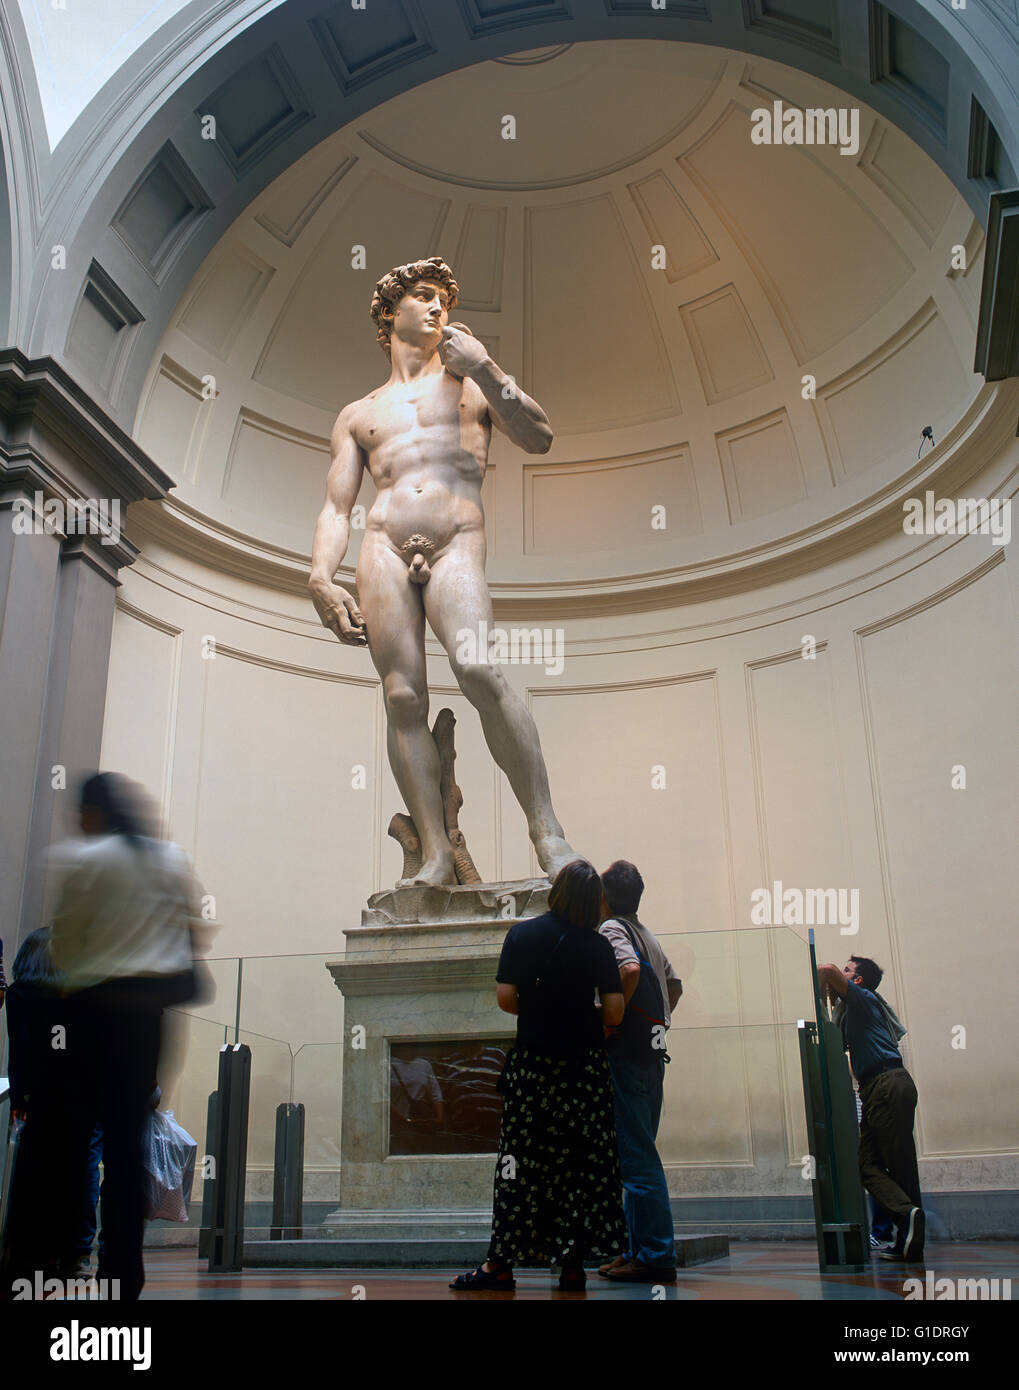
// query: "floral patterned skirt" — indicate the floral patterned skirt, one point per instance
point(558, 1194)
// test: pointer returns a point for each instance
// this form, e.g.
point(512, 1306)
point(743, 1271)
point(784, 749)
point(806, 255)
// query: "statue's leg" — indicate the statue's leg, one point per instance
point(457, 601)
point(395, 623)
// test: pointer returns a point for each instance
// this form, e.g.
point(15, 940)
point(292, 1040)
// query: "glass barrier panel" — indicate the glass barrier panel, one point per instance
point(422, 1042)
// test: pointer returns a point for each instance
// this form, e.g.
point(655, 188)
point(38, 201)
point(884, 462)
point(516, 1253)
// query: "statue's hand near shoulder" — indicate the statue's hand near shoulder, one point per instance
point(461, 353)
point(339, 613)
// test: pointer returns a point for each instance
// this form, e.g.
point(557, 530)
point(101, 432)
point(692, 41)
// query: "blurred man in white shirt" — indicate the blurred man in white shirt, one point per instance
point(127, 912)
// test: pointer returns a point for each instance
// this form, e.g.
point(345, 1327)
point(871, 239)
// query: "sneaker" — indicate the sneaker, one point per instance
point(636, 1272)
point(913, 1248)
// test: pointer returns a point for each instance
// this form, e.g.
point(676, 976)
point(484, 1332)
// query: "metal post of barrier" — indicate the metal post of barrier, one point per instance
point(288, 1174)
point(822, 1017)
point(231, 1156)
point(209, 1182)
point(840, 1216)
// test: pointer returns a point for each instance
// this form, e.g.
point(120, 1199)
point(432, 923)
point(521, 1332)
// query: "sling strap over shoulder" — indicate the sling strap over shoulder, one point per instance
point(641, 1035)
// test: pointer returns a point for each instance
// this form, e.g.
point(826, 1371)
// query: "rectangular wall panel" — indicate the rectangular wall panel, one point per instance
point(284, 838)
point(803, 830)
point(141, 702)
point(636, 773)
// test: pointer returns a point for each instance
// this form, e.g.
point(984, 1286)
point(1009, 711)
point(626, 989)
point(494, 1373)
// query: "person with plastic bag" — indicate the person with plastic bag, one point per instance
point(169, 1167)
point(127, 914)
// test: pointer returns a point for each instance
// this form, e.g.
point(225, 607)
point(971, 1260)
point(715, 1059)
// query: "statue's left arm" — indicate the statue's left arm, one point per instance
point(516, 414)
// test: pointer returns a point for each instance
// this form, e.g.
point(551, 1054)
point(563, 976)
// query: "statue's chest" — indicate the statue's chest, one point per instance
point(431, 407)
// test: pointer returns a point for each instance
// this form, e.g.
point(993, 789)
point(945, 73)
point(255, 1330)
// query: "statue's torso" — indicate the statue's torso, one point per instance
point(426, 445)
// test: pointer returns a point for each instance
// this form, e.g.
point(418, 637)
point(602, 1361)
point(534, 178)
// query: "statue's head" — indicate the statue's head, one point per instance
point(395, 284)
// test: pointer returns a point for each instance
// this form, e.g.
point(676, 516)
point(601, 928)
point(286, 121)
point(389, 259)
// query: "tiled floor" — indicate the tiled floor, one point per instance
point(753, 1271)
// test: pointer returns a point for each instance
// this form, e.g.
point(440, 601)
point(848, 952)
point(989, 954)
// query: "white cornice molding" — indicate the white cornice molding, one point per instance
point(189, 532)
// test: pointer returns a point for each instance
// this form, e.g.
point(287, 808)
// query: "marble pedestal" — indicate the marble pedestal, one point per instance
point(420, 967)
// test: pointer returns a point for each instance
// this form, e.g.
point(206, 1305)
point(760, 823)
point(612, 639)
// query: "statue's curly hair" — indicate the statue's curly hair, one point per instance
point(395, 284)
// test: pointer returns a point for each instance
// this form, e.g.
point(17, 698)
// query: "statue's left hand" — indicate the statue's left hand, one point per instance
point(461, 353)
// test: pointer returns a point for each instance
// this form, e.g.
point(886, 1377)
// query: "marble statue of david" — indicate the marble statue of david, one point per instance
point(424, 437)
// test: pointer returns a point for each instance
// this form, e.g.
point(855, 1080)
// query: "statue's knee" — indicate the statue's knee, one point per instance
point(405, 705)
point(483, 685)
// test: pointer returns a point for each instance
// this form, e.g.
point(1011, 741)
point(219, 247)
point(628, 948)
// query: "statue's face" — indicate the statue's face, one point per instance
point(421, 314)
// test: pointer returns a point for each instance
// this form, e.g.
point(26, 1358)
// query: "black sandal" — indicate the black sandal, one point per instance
point(480, 1278)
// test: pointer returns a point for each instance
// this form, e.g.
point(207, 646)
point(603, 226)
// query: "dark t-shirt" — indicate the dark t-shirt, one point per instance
point(865, 1032)
point(32, 1013)
point(558, 1015)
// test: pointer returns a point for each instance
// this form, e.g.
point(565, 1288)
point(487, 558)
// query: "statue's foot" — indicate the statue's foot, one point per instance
point(437, 871)
point(553, 852)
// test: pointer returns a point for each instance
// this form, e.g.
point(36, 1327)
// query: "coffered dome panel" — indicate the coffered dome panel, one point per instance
point(587, 305)
point(575, 116)
point(730, 357)
point(637, 492)
point(670, 223)
point(825, 261)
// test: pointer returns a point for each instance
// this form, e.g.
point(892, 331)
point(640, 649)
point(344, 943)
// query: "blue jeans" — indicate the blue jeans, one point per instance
point(637, 1090)
point(89, 1222)
point(882, 1227)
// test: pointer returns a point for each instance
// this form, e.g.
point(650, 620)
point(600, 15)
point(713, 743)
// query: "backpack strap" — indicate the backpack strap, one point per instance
point(634, 942)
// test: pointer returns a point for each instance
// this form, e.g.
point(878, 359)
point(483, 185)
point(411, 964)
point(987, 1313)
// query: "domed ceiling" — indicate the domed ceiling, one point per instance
point(766, 377)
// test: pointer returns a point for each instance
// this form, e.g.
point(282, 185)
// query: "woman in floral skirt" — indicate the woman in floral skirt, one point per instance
point(557, 1184)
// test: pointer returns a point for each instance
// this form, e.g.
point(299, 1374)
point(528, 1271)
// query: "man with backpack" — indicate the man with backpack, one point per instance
point(637, 1057)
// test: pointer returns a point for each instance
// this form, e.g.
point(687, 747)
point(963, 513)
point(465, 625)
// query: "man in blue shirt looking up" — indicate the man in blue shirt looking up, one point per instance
point(888, 1168)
